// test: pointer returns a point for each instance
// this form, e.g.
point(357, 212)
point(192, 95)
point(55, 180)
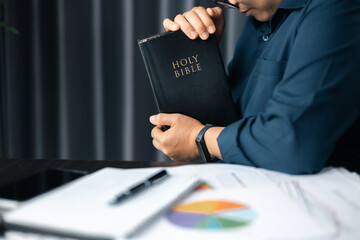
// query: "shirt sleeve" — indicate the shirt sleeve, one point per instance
point(317, 99)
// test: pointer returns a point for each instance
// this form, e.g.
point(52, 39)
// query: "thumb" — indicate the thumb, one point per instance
point(217, 16)
point(162, 119)
point(215, 13)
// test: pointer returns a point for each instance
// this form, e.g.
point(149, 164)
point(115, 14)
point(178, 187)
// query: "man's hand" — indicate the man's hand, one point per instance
point(178, 142)
point(198, 22)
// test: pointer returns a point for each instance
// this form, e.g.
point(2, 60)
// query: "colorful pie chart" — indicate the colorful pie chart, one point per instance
point(211, 215)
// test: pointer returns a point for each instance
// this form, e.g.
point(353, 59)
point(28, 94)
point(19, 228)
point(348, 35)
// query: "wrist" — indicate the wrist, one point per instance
point(196, 130)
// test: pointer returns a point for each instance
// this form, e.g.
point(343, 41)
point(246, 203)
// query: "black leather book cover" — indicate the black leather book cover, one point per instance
point(188, 77)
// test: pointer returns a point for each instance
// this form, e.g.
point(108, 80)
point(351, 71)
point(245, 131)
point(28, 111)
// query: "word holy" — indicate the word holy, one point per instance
point(186, 66)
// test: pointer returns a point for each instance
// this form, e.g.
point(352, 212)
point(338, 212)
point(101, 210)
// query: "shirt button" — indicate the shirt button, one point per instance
point(265, 38)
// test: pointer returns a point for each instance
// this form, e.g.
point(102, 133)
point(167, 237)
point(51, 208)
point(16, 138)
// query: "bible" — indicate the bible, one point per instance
point(188, 77)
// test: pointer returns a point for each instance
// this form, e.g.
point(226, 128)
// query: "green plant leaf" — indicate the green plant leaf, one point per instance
point(10, 28)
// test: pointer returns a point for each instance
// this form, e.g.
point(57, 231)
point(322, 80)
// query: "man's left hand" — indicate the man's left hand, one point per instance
point(178, 142)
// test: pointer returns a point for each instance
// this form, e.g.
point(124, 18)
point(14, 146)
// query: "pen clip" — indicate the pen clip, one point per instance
point(139, 186)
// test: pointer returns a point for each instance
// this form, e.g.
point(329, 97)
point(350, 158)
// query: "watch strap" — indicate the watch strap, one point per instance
point(200, 142)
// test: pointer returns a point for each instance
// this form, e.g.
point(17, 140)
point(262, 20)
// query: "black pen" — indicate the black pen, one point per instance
point(157, 177)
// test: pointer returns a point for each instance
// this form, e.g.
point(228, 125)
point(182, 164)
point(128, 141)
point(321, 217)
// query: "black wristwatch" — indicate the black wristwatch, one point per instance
point(201, 145)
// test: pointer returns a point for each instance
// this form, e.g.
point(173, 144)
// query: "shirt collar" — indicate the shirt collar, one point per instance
point(285, 7)
point(292, 4)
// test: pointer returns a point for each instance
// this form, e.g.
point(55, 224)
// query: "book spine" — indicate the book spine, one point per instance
point(150, 69)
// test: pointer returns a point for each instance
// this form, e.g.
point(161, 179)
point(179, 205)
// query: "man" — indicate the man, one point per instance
point(295, 79)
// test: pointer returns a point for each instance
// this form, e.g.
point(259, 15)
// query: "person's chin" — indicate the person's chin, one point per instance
point(248, 12)
point(260, 17)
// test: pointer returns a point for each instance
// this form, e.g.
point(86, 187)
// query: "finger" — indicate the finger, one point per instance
point(159, 146)
point(217, 16)
point(206, 19)
point(156, 144)
point(156, 132)
point(214, 12)
point(170, 25)
point(163, 119)
point(217, 13)
point(186, 27)
point(193, 18)
point(210, 12)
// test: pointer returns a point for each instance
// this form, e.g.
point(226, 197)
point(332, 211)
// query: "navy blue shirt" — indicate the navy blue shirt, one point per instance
point(296, 81)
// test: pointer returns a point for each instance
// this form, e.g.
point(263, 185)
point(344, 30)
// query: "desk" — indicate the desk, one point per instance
point(337, 187)
point(13, 169)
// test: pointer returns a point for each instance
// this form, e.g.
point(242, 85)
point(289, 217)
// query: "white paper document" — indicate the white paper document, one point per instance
point(332, 196)
point(239, 214)
point(233, 202)
point(236, 202)
point(82, 209)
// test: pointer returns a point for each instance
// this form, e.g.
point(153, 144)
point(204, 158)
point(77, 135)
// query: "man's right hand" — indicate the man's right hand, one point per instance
point(198, 22)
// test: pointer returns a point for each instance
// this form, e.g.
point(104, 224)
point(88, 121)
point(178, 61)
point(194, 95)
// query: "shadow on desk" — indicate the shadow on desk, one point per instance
point(14, 169)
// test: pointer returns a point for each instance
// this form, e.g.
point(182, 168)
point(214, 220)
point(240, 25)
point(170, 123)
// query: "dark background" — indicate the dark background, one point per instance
point(73, 84)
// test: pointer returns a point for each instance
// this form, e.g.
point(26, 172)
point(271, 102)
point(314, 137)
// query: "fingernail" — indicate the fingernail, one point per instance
point(204, 35)
point(211, 29)
point(152, 118)
point(193, 34)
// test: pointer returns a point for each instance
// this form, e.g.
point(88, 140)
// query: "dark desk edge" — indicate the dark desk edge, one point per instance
point(13, 169)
